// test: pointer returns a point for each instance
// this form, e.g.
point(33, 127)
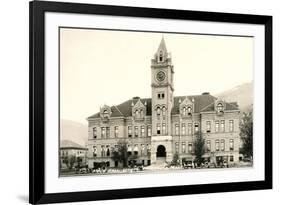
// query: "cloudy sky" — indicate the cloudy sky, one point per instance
point(100, 67)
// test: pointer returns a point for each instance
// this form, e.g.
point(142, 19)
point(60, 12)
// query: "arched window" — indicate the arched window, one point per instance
point(105, 112)
point(164, 111)
point(158, 110)
point(137, 114)
point(220, 107)
point(189, 110)
point(141, 113)
point(184, 111)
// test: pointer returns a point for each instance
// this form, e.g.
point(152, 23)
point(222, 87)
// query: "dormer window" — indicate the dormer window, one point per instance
point(189, 110)
point(184, 111)
point(141, 113)
point(219, 107)
point(105, 112)
point(137, 114)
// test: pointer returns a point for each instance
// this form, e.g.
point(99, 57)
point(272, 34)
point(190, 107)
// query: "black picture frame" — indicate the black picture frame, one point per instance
point(37, 194)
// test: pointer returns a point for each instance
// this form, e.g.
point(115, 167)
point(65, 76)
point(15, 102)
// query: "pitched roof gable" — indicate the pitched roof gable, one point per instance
point(202, 103)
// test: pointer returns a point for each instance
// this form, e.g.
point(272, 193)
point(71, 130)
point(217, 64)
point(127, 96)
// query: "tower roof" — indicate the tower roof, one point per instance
point(162, 46)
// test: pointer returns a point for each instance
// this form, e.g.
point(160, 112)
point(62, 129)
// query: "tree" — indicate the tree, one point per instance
point(199, 147)
point(246, 134)
point(69, 161)
point(121, 153)
point(175, 160)
point(72, 160)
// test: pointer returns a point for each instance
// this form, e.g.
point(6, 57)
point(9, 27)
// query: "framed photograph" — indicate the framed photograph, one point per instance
point(130, 102)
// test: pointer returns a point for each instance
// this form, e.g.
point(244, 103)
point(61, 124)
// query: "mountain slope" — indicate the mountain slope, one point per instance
point(242, 94)
point(74, 131)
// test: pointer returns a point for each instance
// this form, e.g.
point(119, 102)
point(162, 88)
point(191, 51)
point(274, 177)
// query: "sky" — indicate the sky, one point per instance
point(99, 67)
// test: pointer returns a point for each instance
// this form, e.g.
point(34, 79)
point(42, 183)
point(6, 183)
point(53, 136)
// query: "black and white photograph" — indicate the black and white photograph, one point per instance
point(131, 102)
point(151, 102)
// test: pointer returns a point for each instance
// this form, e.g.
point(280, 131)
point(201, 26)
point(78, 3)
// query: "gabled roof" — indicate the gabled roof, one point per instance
point(125, 109)
point(202, 103)
point(228, 106)
point(71, 145)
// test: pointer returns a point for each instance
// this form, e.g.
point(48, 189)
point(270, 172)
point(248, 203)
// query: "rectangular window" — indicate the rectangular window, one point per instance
point(183, 129)
point(164, 128)
point(222, 126)
point(149, 131)
point(136, 131)
point(217, 126)
point(161, 95)
point(222, 145)
point(231, 158)
point(94, 132)
point(231, 126)
point(208, 145)
point(177, 129)
point(177, 147)
point(189, 129)
point(158, 129)
point(142, 131)
point(196, 127)
point(208, 129)
point(190, 147)
point(129, 131)
point(107, 132)
point(217, 145)
point(103, 132)
point(116, 131)
point(183, 147)
point(231, 144)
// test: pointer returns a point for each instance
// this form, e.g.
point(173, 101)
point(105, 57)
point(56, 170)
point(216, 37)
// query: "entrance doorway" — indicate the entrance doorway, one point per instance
point(161, 151)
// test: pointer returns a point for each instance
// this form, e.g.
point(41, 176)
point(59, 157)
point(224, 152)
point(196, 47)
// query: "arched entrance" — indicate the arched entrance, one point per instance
point(161, 151)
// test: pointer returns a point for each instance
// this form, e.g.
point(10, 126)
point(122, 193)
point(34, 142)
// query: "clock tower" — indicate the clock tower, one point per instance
point(162, 88)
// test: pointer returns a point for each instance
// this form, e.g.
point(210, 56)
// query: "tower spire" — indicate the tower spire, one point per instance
point(162, 46)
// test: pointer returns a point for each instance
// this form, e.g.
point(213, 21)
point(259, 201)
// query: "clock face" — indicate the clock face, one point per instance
point(160, 76)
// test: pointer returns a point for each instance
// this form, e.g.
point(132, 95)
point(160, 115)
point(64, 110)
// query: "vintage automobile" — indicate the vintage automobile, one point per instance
point(187, 164)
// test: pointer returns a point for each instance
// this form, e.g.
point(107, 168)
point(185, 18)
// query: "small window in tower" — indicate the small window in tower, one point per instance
point(163, 95)
point(159, 96)
point(161, 56)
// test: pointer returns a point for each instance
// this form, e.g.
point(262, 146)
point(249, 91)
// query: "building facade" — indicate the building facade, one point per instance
point(70, 149)
point(158, 127)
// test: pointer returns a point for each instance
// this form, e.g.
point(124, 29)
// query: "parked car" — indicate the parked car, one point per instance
point(83, 170)
point(187, 164)
point(224, 164)
point(209, 165)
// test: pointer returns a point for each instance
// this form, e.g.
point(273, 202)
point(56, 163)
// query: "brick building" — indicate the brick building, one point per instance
point(158, 127)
